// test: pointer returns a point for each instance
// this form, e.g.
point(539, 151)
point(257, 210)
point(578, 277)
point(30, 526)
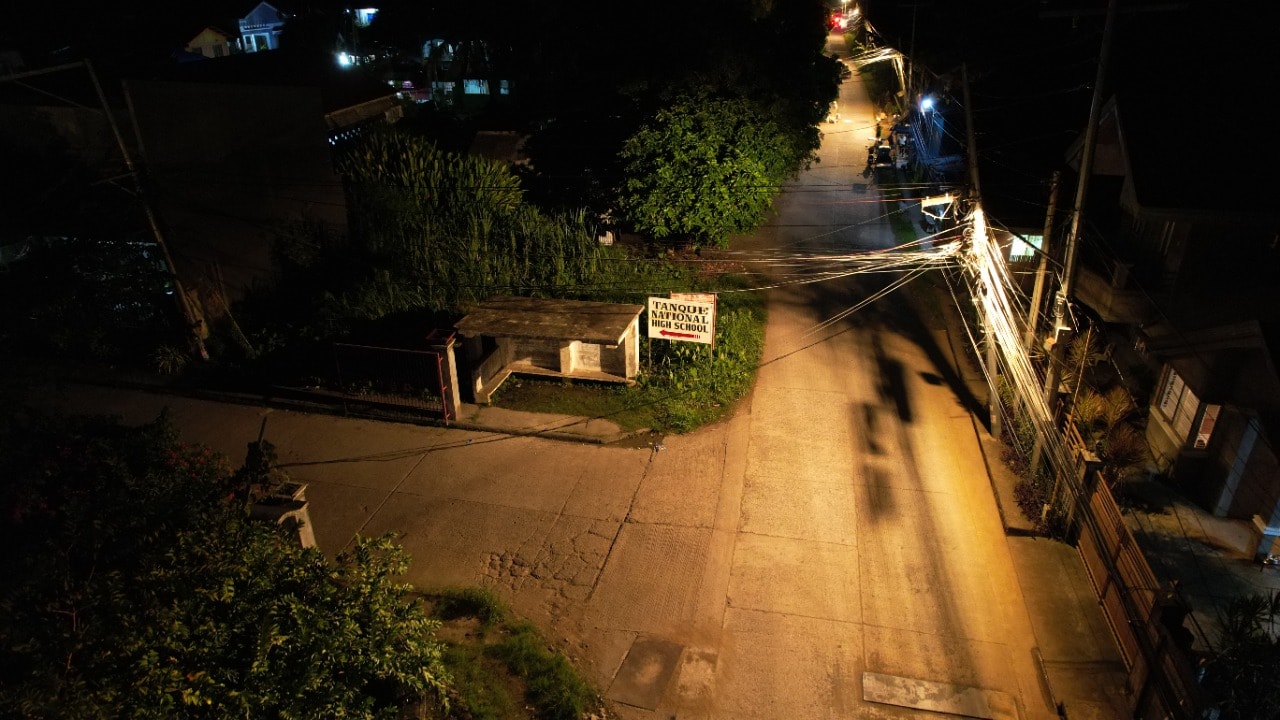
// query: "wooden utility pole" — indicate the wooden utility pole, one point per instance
point(975, 194)
point(1046, 243)
point(1059, 332)
point(195, 322)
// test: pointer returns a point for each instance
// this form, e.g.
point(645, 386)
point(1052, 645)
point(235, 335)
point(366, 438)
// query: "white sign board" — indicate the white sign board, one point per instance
point(686, 320)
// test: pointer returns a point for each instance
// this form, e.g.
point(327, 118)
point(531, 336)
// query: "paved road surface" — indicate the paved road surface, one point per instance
point(841, 523)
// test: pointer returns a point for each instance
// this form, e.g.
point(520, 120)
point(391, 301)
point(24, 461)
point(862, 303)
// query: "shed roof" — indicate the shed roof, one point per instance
point(594, 322)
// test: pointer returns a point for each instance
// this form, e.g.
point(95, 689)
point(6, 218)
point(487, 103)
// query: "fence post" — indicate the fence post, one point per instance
point(450, 397)
point(1085, 484)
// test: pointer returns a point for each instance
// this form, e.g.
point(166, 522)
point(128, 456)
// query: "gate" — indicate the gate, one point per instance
point(416, 382)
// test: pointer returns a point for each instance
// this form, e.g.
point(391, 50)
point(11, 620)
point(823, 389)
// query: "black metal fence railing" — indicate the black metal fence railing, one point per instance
point(415, 381)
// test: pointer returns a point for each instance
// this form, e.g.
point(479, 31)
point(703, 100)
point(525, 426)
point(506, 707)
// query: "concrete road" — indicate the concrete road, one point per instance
point(835, 542)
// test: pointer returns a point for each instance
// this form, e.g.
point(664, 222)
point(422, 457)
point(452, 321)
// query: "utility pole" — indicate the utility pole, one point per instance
point(911, 61)
point(195, 323)
point(1046, 242)
point(975, 195)
point(1056, 342)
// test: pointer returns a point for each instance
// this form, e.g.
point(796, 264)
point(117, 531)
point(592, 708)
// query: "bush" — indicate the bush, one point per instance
point(557, 689)
point(137, 586)
point(1031, 498)
point(470, 602)
point(492, 668)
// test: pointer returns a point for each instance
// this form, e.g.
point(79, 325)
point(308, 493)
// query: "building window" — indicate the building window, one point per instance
point(475, 87)
point(1025, 247)
point(1166, 237)
point(1208, 419)
point(1178, 405)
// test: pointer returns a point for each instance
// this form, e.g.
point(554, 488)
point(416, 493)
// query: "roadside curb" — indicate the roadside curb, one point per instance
point(338, 409)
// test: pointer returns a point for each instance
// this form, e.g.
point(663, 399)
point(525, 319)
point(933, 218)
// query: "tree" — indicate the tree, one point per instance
point(1241, 675)
point(136, 586)
point(702, 170)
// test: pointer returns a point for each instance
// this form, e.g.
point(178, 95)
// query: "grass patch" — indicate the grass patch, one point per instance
point(554, 685)
point(586, 399)
point(484, 688)
point(502, 668)
point(470, 602)
point(904, 231)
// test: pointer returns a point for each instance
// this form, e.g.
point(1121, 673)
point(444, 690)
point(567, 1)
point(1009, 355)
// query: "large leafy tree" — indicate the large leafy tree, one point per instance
point(703, 169)
point(136, 586)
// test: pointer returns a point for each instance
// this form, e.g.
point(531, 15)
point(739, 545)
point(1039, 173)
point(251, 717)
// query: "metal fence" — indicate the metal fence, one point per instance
point(394, 380)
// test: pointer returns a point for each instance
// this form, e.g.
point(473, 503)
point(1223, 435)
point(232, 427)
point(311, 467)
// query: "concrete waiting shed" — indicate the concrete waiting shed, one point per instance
point(571, 339)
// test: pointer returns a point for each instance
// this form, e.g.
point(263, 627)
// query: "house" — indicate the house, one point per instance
point(464, 75)
point(212, 43)
point(1185, 270)
point(260, 29)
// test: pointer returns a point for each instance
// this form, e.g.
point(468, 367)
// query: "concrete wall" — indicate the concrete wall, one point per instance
point(566, 357)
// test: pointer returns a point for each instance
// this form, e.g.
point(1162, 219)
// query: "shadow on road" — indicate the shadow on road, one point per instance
point(901, 313)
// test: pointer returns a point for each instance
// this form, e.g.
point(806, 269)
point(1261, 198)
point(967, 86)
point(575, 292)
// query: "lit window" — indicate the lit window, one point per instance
point(1025, 247)
point(475, 87)
point(1178, 404)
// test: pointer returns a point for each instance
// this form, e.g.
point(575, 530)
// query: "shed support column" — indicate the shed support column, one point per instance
point(631, 348)
point(567, 357)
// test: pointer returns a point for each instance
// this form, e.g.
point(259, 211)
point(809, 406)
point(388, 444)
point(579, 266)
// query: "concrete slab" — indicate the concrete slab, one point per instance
point(938, 697)
point(775, 665)
point(796, 576)
point(774, 451)
point(338, 511)
point(695, 681)
point(949, 659)
point(651, 579)
point(682, 482)
point(645, 673)
point(1082, 666)
point(771, 506)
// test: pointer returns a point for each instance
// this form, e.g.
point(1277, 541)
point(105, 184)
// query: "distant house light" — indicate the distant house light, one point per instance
point(364, 16)
point(345, 60)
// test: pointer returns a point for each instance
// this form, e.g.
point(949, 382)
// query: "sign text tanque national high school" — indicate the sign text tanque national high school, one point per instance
point(683, 319)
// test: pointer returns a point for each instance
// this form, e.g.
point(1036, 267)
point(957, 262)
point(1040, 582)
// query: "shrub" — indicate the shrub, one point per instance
point(169, 360)
point(554, 686)
point(470, 602)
